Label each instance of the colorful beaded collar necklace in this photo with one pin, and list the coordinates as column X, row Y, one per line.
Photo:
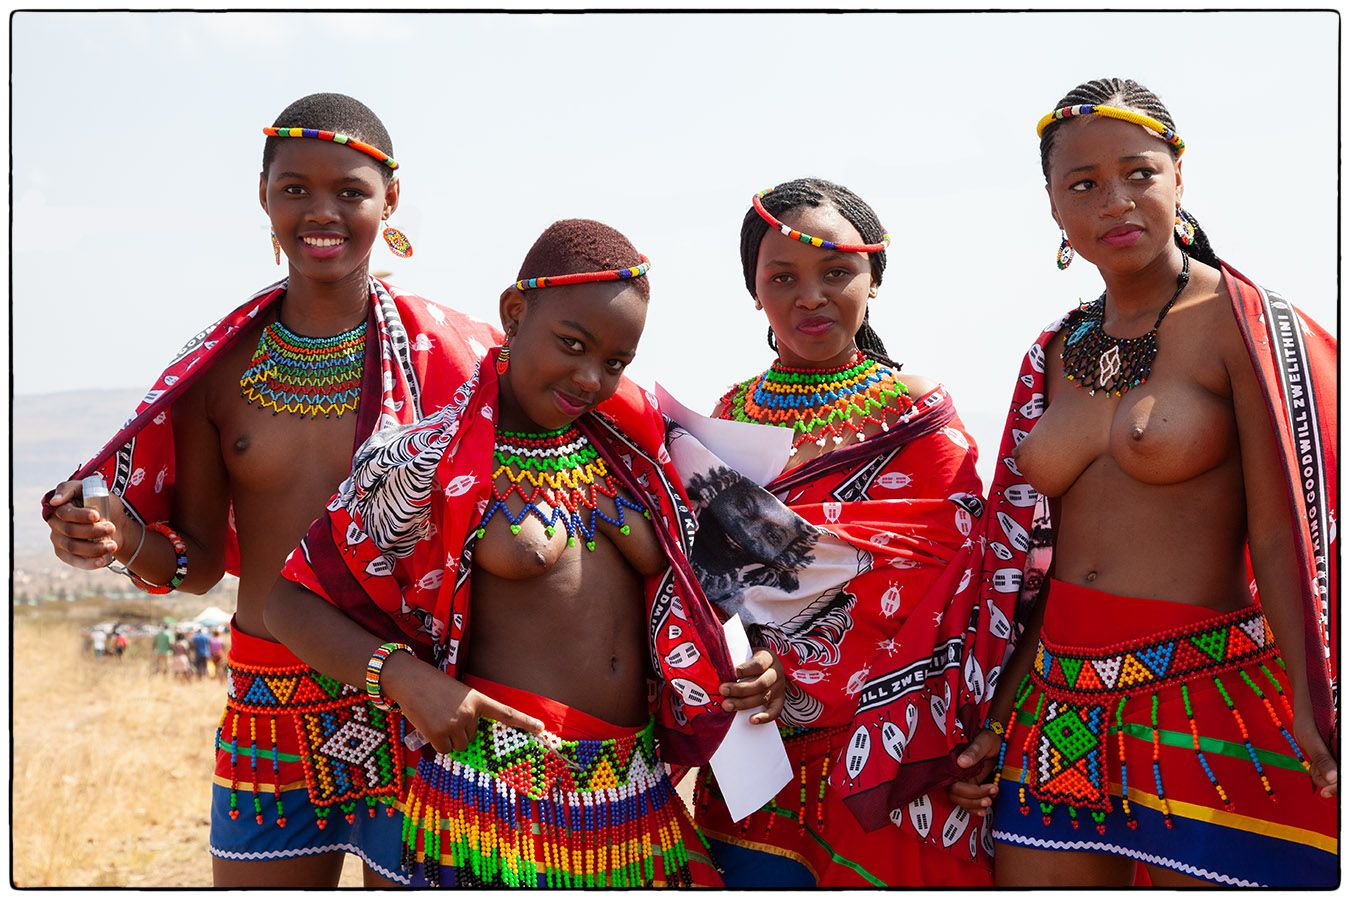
column 1098, row 362
column 823, row 244
column 335, row 137
column 819, row 404
column 564, row 470
column 547, row 281
column 305, row 376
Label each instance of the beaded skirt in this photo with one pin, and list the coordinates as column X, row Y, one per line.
column 806, row 837
column 588, row 804
column 1169, row 745
column 304, row 764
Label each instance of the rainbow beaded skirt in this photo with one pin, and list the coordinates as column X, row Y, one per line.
column 1172, row 746
column 516, row 810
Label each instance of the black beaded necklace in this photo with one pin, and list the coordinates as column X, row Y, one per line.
column 1098, row 362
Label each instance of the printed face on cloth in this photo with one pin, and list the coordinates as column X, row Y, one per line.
column 326, row 203
column 569, row 348
column 1114, row 188
column 815, row 299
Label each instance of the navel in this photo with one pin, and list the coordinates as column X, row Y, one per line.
column 1092, row 576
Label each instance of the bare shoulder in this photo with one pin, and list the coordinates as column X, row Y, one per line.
column 918, row 384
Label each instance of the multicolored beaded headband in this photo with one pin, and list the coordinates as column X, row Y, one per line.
column 336, row 138
column 1127, row 115
column 547, row 281
column 815, row 241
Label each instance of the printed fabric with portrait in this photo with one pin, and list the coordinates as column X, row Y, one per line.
column 859, row 569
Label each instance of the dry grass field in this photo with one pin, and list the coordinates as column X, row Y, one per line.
column 112, row 766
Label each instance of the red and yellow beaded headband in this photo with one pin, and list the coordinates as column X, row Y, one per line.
column 815, row 241
column 335, row 137
column 548, row 281
column 1126, row 115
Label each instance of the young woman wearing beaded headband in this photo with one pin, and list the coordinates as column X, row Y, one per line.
column 233, row 453
column 1182, row 430
column 521, row 556
column 826, row 564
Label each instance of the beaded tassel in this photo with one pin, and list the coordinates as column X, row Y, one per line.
column 1023, row 691
column 1026, row 751
column 234, row 766
column 1284, row 700
column 822, row 404
column 276, row 774
column 1157, row 766
column 1246, row 738
column 1195, row 742
column 305, row 376
column 1130, row 820
column 1275, row 719
column 563, row 469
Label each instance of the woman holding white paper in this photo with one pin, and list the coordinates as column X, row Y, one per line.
column 853, row 566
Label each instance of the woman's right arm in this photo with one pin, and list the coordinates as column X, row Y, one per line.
column 443, row 709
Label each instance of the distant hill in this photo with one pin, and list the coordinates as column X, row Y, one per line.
column 52, row 435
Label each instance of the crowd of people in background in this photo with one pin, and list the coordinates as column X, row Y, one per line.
column 189, row 651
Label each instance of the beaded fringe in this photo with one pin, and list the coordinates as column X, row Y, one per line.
column 1283, row 725
column 499, row 829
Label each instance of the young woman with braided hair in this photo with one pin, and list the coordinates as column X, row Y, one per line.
column 1175, row 442
column 852, row 567
column 521, row 555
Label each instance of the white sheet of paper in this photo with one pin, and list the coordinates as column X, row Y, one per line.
column 758, row 452
column 751, row 765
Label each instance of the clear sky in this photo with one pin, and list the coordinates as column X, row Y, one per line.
column 136, row 148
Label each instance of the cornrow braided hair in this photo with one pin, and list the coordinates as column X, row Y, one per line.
column 1126, row 94
column 332, row 112
column 570, row 246
column 815, row 192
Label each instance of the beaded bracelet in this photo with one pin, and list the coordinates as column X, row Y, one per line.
column 994, row 725
column 374, row 693
column 180, row 572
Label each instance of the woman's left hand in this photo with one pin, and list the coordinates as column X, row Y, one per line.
column 761, row 681
column 1323, row 768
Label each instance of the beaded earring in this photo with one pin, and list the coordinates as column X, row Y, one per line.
column 276, row 247
column 504, row 356
column 1184, row 227
column 398, row 242
column 1065, row 254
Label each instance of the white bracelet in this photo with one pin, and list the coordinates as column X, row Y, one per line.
column 126, row 570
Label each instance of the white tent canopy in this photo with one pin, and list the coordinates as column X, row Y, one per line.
column 212, row 616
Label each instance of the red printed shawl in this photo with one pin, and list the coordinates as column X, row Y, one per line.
column 424, row 349
column 395, row 550
column 1295, row 361
column 858, row 569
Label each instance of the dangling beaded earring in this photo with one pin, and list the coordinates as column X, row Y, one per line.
column 398, row 242
column 276, row 247
column 1184, row 227
column 504, row 356
column 1065, row 254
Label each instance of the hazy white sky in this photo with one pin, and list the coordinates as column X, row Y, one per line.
column 136, row 148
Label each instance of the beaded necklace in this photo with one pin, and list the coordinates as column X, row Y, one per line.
column 1098, row 362
column 563, row 469
column 819, row 404
column 305, row 376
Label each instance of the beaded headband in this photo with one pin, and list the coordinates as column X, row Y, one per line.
column 547, row 281
column 1127, row 115
column 336, row 138
column 815, row 241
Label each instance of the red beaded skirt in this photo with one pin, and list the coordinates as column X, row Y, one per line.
column 1161, row 731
